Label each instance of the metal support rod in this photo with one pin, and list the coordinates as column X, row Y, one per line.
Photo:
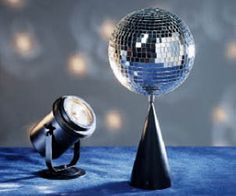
column 151, row 99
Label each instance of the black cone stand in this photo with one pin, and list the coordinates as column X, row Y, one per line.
column 151, row 168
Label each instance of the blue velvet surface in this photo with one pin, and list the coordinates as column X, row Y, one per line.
column 195, row 171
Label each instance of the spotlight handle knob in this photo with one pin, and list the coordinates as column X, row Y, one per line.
column 48, row 157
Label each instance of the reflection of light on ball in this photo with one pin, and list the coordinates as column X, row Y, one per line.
column 113, row 120
column 219, row 115
column 14, row 3
column 231, row 50
column 23, row 43
column 77, row 65
column 106, row 29
column 191, row 51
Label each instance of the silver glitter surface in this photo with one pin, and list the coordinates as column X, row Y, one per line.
column 151, row 51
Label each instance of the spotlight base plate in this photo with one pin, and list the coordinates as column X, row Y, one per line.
column 62, row 173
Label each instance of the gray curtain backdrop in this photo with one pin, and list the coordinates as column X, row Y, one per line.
column 52, row 48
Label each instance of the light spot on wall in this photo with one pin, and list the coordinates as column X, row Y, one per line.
column 14, row 3
column 23, row 43
column 77, row 65
column 231, row 50
column 219, row 115
column 113, row 120
column 106, row 29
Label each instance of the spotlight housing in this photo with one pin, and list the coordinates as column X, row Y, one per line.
column 70, row 120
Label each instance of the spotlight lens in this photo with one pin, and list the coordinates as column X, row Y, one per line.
column 78, row 111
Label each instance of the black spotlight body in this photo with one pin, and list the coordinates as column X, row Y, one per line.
column 56, row 133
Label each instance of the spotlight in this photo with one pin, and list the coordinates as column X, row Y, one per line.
column 70, row 120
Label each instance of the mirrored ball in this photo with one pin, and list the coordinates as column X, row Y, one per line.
column 151, row 51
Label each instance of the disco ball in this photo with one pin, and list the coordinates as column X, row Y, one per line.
column 151, row 51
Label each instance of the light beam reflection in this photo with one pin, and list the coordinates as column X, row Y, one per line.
column 45, row 189
column 6, row 187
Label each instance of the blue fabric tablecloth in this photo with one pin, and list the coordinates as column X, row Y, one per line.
column 195, row 171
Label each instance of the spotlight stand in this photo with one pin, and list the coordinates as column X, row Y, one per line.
column 62, row 171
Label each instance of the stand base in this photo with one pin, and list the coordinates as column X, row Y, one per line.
column 63, row 174
column 147, row 186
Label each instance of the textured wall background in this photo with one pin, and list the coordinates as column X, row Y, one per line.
column 51, row 48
